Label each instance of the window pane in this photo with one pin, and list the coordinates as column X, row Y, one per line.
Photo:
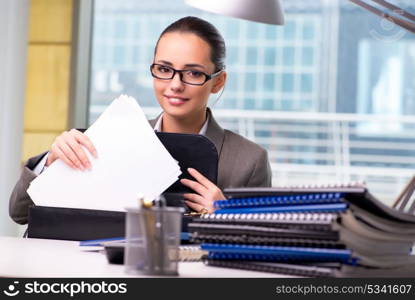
column 269, row 56
column 249, row 103
column 232, row 81
column 253, row 31
column 289, row 30
column 287, row 104
column 232, row 29
column 288, row 82
column 269, row 81
column 308, row 53
column 119, row 55
column 229, row 103
column 288, row 56
column 271, row 32
column 120, row 29
column 308, row 31
column 232, row 55
column 250, row 82
column 252, row 55
column 306, row 83
column 136, row 55
column 268, row 104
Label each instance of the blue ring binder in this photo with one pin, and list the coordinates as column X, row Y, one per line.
column 336, row 207
column 318, row 198
column 277, row 253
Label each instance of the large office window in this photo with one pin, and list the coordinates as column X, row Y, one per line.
column 330, row 95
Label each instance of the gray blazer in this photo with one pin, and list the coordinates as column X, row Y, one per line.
column 242, row 163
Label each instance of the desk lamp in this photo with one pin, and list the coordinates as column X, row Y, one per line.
column 263, row 11
column 396, row 15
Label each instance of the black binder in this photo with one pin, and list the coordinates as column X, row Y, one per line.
column 190, row 150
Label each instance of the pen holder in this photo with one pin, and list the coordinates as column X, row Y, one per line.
column 152, row 240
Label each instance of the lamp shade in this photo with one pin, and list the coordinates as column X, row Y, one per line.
column 264, row 11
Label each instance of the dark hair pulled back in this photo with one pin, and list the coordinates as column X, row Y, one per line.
column 205, row 31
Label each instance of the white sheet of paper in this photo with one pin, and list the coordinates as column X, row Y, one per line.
column 131, row 161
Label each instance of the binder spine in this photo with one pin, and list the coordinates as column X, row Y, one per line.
column 334, row 207
column 200, row 238
column 277, row 253
column 307, row 220
column 191, row 253
column 288, row 269
column 262, row 231
column 317, row 198
column 272, row 258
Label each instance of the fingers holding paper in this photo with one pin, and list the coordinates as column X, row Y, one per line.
column 207, row 192
column 68, row 148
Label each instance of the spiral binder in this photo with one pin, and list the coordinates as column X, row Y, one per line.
column 281, row 268
column 200, row 238
column 277, row 253
column 318, row 198
column 191, row 253
column 328, row 185
column 262, row 231
column 302, row 219
column 351, row 187
column 335, row 207
column 328, row 231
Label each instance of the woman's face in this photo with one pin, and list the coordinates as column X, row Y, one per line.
column 185, row 51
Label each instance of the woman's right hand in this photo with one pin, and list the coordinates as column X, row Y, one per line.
column 67, row 147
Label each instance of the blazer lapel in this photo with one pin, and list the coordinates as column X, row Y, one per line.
column 214, row 132
column 153, row 122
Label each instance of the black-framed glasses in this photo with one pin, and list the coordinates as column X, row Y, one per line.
column 193, row 77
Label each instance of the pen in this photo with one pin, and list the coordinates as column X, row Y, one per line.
column 150, row 234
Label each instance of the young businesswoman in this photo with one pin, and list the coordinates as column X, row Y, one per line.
column 188, row 66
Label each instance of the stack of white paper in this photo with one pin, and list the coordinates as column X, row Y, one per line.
column 131, row 162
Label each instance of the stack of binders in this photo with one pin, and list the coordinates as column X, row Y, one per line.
column 332, row 231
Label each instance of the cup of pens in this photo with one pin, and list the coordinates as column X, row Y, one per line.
column 153, row 239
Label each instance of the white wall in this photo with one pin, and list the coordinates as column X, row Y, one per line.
column 13, row 47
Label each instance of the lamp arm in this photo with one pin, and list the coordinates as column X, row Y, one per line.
column 391, row 6
column 410, row 26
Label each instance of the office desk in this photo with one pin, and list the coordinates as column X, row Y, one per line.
column 21, row 257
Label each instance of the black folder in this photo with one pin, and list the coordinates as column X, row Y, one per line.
column 190, row 150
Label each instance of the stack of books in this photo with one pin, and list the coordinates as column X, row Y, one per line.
column 320, row 231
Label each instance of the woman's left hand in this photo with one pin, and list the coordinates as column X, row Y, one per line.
column 207, row 192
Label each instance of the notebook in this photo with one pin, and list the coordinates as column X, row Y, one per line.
column 353, row 193
column 257, row 235
column 333, row 230
column 292, row 230
column 272, row 267
column 114, row 251
column 280, row 200
column 316, row 269
column 277, row 253
column 348, row 187
column 332, row 207
column 304, row 254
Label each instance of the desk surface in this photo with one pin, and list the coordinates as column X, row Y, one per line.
column 21, row 257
